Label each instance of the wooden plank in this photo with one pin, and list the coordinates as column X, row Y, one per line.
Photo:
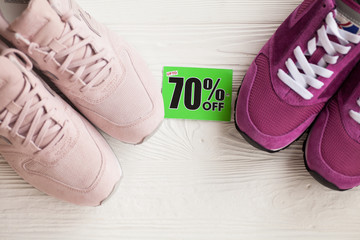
column 192, row 179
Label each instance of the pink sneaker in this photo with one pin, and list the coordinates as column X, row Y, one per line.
column 297, row 71
column 99, row 73
column 332, row 149
column 47, row 142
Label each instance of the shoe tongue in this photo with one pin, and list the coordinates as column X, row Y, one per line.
column 347, row 17
column 39, row 23
column 61, row 6
column 11, row 82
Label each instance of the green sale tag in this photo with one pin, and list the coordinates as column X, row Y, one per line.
column 197, row 93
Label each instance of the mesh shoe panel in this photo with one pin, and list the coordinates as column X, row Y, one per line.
column 268, row 112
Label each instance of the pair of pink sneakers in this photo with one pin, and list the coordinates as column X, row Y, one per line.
column 48, row 143
column 301, row 78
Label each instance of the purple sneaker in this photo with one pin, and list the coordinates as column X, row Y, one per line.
column 332, row 150
column 298, row 70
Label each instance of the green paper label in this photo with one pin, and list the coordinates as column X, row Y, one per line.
column 197, row 93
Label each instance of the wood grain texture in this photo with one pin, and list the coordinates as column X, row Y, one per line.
column 193, row 180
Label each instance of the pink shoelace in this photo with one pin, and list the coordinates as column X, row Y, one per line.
column 29, row 116
column 91, row 69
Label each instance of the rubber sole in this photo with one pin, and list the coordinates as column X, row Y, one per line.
column 254, row 143
column 152, row 133
column 114, row 190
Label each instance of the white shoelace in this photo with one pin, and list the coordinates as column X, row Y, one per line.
column 355, row 115
column 300, row 81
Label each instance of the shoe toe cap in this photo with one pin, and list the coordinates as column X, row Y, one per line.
column 85, row 175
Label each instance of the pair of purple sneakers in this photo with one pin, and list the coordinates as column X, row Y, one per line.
column 307, row 74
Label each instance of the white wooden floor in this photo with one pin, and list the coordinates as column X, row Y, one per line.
column 193, row 180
